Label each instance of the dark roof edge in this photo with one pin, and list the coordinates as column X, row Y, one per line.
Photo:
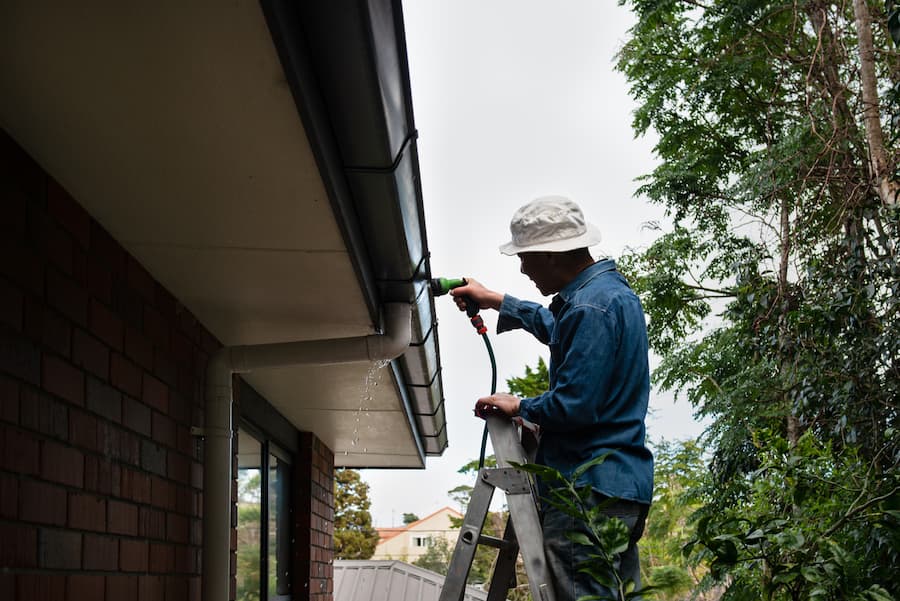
column 365, row 42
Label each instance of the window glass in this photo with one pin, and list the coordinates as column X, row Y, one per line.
column 279, row 524
column 263, row 520
column 249, row 516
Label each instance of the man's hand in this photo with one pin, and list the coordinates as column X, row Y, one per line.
column 486, row 299
column 500, row 403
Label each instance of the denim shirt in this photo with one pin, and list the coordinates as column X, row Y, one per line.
column 599, row 381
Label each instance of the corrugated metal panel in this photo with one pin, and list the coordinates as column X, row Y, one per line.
column 390, row 580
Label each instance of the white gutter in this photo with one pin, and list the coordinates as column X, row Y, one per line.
column 217, row 476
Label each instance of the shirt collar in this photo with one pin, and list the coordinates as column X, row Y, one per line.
column 580, row 281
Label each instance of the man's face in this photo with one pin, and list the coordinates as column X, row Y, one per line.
column 540, row 267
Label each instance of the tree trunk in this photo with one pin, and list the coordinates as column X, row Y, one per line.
column 879, row 165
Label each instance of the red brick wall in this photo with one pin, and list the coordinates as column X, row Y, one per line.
column 101, row 373
column 314, row 506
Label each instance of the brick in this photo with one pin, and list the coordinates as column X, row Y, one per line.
column 122, row 587
column 9, row 496
column 86, row 587
column 162, row 558
column 179, row 408
column 177, row 528
column 177, row 588
column 104, row 400
column 13, row 222
column 19, row 357
column 164, row 430
column 20, row 451
column 186, row 560
column 135, row 485
column 127, row 303
column 83, row 430
column 184, row 500
column 186, row 442
column 151, row 523
column 140, row 279
column 164, row 367
column 139, row 348
column 7, row 585
column 178, row 468
column 122, row 518
column 43, row 414
column 62, row 464
column 9, row 400
column 47, row 327
column 163, row 493
column 129, row 447
column 68, row 213
column 187, row 323
column 79, row 267
column 106, row 325
column 90, row 353
column 23, row 267
column 105, row 247
column 12, row 306
column 165, row 302
column 153, row 457
column 100, row 553
column 182, row 349
column 19, row 548
column 103, row 476
column 51, row 241
column 133, row 555
column 125, row 376
column 155, row 393
column 40, row 587
column 156, row 327
column 87, row 512
column 66, row 296
column 59, row 549
column 99, row 280
column 136, row 416
column 42, row 502
column 61, row 379
column 151, row 588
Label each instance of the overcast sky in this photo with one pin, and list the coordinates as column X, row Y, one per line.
column 513, row 99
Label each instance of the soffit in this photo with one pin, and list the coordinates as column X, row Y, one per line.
column 174, row 126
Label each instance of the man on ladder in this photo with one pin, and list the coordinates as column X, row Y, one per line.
column 599, row 379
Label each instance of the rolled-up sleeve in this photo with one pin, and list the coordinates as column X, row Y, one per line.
column 527, row 315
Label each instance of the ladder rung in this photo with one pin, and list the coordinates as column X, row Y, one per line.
column 493, row 541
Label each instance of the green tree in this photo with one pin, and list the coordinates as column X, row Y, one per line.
column 772, row 299
column 354, row 535
column 535, row 381
column 409, row 518
column 437, row 556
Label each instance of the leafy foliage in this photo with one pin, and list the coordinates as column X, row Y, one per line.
column 607, row 536
column 773, row 301
column 354, row 535
column 535, row 381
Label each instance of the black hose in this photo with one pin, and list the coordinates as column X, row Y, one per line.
column 484, row 433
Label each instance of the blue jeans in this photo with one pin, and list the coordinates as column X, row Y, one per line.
column 563, row 556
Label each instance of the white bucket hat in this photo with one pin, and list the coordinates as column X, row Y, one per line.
column 549, row 224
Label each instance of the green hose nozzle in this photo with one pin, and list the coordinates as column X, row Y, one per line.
column 441, row 286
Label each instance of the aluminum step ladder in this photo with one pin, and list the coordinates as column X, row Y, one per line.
column 523, row 528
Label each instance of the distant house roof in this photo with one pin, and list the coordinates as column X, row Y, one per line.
column 389, row 533
column 390, row 580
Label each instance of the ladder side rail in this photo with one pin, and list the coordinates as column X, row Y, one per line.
column 504, row 577
column 454, row 587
